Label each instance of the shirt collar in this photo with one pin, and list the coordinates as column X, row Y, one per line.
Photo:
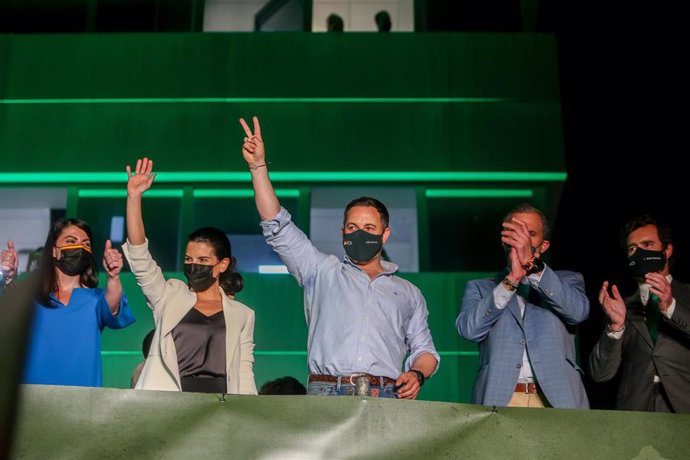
column 388, row 267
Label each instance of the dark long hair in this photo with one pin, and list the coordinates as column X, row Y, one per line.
column 230, row 281
column 47, row 266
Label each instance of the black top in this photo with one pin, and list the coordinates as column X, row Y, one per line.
column 200, row 344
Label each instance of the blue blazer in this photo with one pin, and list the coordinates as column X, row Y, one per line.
column 547, row 331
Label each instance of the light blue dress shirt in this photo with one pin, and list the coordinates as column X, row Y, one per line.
column 356, row 324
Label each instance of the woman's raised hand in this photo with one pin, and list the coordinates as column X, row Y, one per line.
column 141, row 179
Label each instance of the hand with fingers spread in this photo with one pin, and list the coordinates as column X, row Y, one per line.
column 112, row 260
column 253, row 149
column 9, row 262
column 613, row 305
column 661, row 288
column 142, row 178
column 138, row 182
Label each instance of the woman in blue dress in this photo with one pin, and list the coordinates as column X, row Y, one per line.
column 70, row 311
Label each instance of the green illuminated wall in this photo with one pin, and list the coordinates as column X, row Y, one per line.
column 347, row 102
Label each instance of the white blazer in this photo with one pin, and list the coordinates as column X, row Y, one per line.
column 170, row 301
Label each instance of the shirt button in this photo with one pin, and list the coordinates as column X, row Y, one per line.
column 366, row 317
column 522, row 341
column 519, row 365
column 363, row 338
column 359, row 359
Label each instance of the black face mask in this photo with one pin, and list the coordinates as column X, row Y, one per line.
column 74, row 260
column 644, row 261
column 362, row 246
column 199, row 277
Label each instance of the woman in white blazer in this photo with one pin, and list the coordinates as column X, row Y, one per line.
column 204, row 339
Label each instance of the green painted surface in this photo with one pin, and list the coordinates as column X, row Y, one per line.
column 69, row 422
column 474, row 101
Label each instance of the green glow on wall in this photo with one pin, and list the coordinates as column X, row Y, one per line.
column 287, row 176
column 479, row 193
column 241, row 193
column 266, row 100
column 114, row 193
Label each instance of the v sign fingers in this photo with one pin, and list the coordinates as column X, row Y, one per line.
column 257, row 127
column 246, row 128
column 253, row 147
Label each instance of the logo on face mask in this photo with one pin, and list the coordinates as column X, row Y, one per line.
column 74, row 260
column 362, row 246
column 644, row 261
column 199, row 277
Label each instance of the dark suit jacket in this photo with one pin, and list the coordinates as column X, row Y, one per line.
column 637, row 358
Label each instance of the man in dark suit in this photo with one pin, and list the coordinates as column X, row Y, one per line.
column 647, row 338
column 524, row 320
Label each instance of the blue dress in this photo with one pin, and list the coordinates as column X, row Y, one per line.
column 65, row 343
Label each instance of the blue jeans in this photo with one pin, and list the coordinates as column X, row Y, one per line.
column 347, row 389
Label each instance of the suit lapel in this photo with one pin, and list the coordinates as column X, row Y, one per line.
column 636, row 318
column 514, row 307
column 175, row 311
column 233, row 328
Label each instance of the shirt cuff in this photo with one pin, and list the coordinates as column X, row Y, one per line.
column 502, row 296
column 669, row 311
column 615, row 335
column 535, row 278
column 271, row 227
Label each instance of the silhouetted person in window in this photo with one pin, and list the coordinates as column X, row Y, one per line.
column 383, row 21
column 334, row 23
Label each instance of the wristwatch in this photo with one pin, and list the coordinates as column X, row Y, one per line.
column 420, row 376
column 533, row 265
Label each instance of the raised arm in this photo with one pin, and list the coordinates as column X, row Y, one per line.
column 254, row 154
column 148, row 274
column 137, row 183
column 112, row 263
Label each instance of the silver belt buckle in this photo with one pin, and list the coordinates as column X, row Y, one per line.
column 361, row 383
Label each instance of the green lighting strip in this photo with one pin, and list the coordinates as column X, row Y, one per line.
column 285, row 353
column 241, row 193
column 265, row 100
column 479, row 193
column 292, row 176
column 115, row 193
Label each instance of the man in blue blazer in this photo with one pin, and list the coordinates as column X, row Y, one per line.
column 524, row 321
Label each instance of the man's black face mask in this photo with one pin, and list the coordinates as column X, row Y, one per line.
column 644, row 261
column 362, row 246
